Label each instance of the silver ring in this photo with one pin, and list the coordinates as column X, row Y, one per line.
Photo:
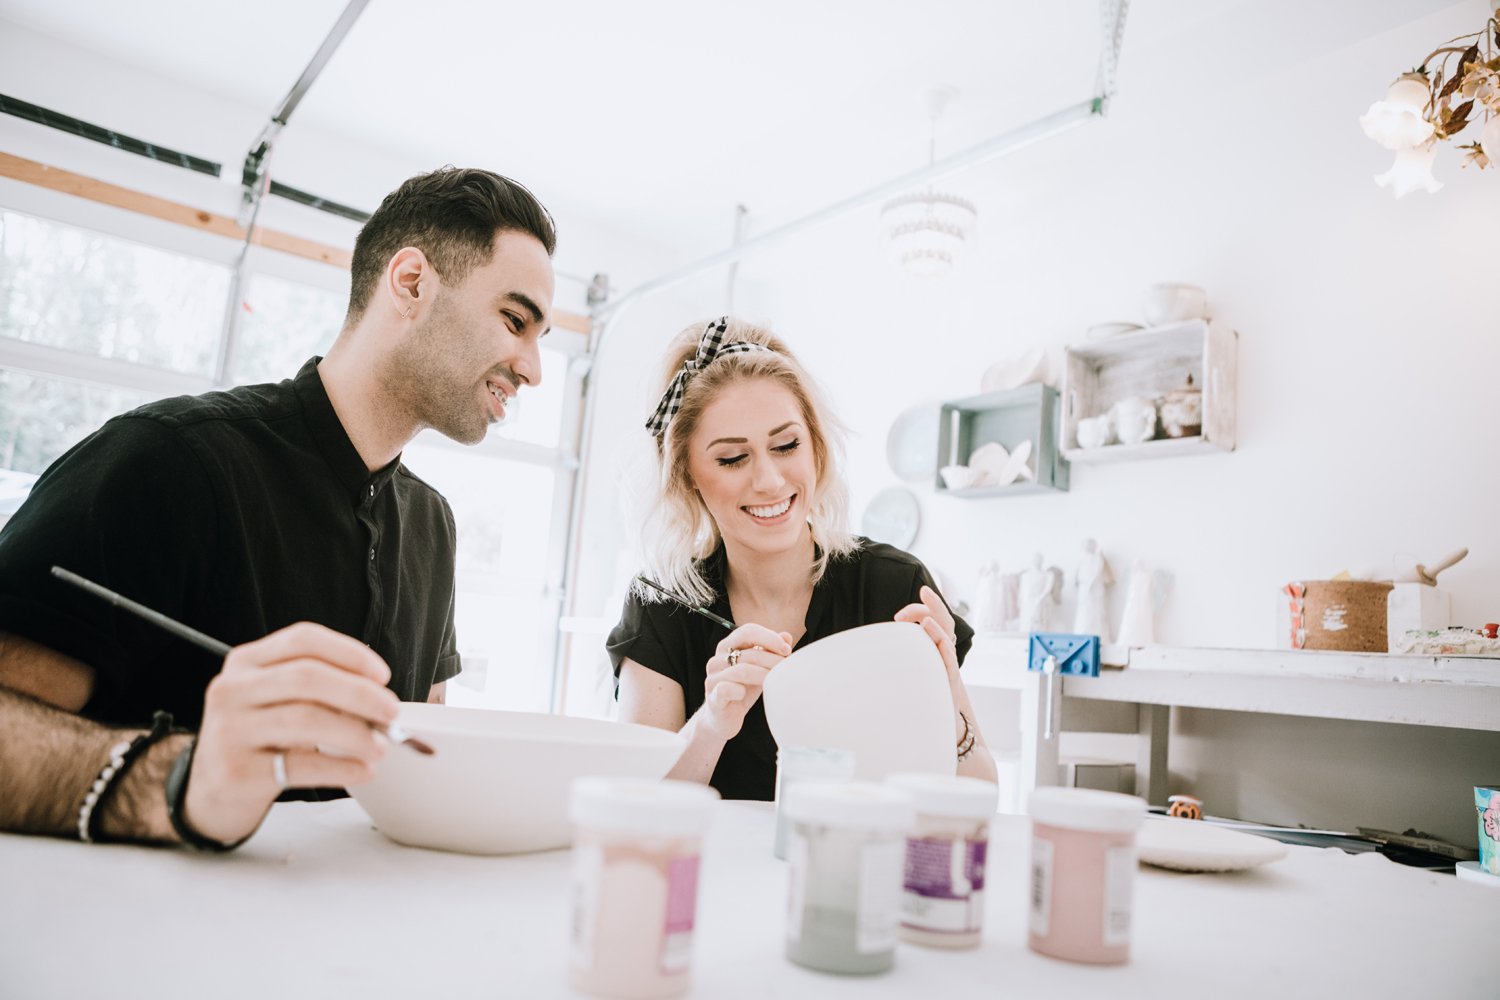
column 278, row 768
column 734, row 657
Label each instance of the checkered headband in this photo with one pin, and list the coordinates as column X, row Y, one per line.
column 710, row 346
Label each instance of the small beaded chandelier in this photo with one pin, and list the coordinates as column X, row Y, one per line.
column 928, row 231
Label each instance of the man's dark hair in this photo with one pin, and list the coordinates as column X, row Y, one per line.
column 452, row 215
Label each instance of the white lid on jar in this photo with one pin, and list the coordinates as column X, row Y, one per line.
column 816, row 763
column 949, row 795
column 635, row 805
column 859, row 805
column 1087, row 809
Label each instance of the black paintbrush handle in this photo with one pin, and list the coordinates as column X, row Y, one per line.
column 156, row 618
column 691, row 607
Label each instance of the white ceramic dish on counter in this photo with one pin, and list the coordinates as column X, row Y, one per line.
column 1191, row 845
column 499, row 781
column 879, row 690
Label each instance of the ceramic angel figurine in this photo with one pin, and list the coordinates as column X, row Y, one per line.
column 1143, row 599
column 994, row 599
column 1040, row 590
column 1093, row 577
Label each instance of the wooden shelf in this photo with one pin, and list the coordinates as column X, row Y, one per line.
column 1161, row 448
column 1151, row 363
column 1030, row 413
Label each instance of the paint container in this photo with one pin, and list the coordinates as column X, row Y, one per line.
column 822, row 765
column 636, row 847
column 847, row 848
column 1083, row 866
column 942, row 898
column 1487, row 801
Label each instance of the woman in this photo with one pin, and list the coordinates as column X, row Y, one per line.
column 749, row 523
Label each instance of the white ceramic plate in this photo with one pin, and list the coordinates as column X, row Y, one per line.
column 499, row 782
column 911, row 448
column 879, row 690
column 1191, row 845
column 892, row 517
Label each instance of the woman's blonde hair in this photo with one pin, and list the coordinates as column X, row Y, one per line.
column 678, row 527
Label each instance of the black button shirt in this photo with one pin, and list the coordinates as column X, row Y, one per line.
column 238, row 513
column 869, row 586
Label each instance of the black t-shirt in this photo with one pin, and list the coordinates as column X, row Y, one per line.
column 237, row 513
column 866, row 587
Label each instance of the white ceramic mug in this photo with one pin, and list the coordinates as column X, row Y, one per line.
column 1095, row 432
column 1135, row 419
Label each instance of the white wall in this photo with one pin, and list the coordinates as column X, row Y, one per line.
column 1370, row 345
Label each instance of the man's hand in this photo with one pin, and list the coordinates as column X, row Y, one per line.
column 307, row 692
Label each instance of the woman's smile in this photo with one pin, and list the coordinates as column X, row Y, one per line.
column 772, row 513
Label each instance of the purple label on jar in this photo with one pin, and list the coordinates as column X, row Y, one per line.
column 931, row 871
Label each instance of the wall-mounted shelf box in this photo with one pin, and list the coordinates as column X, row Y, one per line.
column 1152, row 363
column 1030, row 413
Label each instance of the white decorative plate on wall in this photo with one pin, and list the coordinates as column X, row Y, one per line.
column 892, row 517
column 911, row 448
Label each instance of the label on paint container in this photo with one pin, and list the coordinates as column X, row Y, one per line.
column 1119, row 889
column 796, row 897
column 682, row 906
column 588, row 871
column 1041, row 887
column 879, row 919
column 944, row 885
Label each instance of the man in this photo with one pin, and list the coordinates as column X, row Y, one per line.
column 279, row 519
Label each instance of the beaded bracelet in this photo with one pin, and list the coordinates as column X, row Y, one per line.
column 121, row 756
column 966, row 745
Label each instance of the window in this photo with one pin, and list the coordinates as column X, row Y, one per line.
column 69, row 288
column 40, row 418
column 502, row 509
column 285, row 323
column 108, row 325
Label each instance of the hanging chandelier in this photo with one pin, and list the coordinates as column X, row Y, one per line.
column 1434, row 103
column 927, row 232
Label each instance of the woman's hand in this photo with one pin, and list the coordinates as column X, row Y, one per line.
column 932, row 606
column 937, row 621
column 730, row 690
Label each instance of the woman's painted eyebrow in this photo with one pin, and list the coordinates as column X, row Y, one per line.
column 775, row 431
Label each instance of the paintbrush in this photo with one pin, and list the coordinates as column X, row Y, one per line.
column 691, row 607
column 394, row 732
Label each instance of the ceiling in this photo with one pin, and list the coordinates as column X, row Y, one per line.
column 654, row 117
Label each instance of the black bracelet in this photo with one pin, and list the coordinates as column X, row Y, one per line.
column 176, row 789
column 121, row 756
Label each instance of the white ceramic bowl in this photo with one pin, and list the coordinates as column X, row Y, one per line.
column 499, row 781
column 880, row 690
column 1175, row 304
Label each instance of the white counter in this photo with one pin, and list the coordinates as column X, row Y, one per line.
column 319, row 904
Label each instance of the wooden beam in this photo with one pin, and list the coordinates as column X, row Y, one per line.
column 57, row 179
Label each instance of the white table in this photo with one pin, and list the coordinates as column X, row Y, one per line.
column 319, row 904
column 1461, row 692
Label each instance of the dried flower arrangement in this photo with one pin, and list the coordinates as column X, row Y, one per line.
column 1419, row 110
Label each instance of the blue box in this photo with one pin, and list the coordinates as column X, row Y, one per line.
column 1077, row 655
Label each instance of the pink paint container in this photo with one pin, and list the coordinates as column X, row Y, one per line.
column 636, row 847
column 1083, row 865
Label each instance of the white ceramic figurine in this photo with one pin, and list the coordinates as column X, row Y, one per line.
column 1093, row 579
